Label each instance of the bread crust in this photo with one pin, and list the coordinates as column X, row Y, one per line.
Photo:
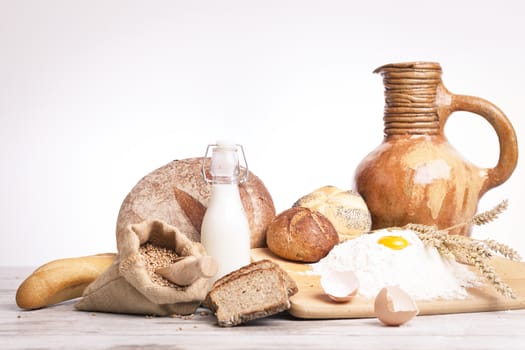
column 301, row 234
column 177, row 194
column 291, row 286
column 346, row 210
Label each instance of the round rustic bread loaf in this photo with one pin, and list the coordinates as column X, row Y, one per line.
column 177, row 194
column 346, row 210
column 301, row 234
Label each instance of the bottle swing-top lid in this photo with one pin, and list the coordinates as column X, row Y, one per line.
column 225, row 167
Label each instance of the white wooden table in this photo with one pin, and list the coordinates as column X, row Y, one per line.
column 62, row 327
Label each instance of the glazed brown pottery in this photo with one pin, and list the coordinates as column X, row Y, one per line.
column 415, row 175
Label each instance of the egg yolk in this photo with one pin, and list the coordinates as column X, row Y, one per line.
column 393, row 242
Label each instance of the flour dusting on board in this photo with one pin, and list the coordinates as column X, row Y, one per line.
column 398, row 257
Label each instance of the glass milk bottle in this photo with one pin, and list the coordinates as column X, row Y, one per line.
column 225, row 232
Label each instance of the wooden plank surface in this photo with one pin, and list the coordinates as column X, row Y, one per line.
column 62, row 327
column 311, row 302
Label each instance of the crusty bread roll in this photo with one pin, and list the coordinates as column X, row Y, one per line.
column 301, row 234
column 61, row 280
column 178, row 195
column 346, row 210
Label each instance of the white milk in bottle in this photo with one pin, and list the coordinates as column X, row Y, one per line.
column 225, row 232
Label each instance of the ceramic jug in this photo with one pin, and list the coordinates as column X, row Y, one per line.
column 415, row 175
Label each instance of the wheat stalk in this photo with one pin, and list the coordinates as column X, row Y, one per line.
column 489, row 215
column 484, row 217
column 468, row 250
column 503, row 249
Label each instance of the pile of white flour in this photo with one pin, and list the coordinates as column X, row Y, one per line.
column 418, row 270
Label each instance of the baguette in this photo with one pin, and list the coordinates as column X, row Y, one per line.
column 61, row 280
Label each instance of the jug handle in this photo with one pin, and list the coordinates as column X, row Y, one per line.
column 508, row 144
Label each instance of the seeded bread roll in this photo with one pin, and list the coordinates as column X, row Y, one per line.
column 301, row 234
column 346, row 210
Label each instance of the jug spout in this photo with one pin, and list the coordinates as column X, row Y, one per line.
column 411, row 98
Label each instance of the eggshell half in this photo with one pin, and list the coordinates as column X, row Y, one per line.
column 340, row 286
column 394, row 307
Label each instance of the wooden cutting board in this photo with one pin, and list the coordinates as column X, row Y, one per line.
column 311, row 302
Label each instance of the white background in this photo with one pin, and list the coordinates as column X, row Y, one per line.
column 96, row 94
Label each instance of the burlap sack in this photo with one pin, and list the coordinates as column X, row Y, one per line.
column 126, row 286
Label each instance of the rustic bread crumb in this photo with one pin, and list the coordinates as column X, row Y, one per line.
column 257, row 290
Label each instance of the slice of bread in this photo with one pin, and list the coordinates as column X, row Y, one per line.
column 291, row 286
column 257, row 290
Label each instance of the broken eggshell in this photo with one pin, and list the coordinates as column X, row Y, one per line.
column 394, row 307
column 340, row 286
